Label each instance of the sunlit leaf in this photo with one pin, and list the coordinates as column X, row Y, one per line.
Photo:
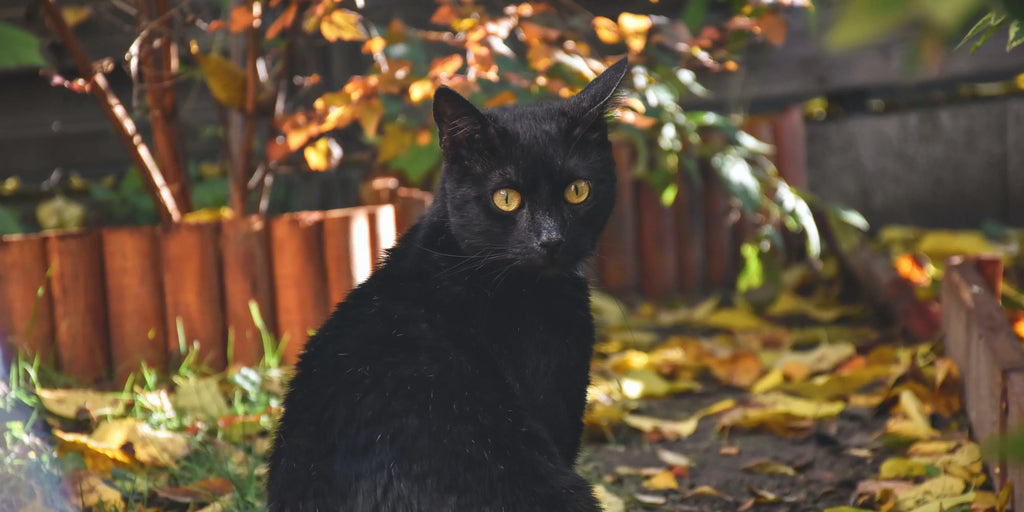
column 200, row 397
column 421, row 90
column 82, row 403
column 505, row 97
column 224, row 78
column 633, row 28
column 609, row 502
column 443, row 67
column 369, row 114
column 323, row 155
column 89, row 492
column 374, row 45
column 343, row 25
column 606, row 29
column 740, row 369
column 902, row 467
column 661, row 481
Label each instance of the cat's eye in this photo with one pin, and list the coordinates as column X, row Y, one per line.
column 506, row 199
column 577, row 191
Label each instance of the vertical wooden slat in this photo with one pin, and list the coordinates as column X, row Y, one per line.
column 193, row 291
column 300, row 277
column 717, row 232
column 245, row 253
column 689, row 239
column 618, row 263
column 383, row 230
column 79, row 305
column 1014, row 423
column 135, row 305
column 26, row 318
column 348, row 253
column 790, row 138
column 658, row 261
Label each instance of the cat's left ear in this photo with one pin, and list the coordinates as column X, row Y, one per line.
column 596, row 99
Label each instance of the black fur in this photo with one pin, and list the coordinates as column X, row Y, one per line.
column 455, row 377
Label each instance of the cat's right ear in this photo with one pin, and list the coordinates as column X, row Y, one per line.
column 460, row 125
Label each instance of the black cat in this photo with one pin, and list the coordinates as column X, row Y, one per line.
column 455, row 377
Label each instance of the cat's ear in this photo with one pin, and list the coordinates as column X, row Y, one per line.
column 459, row 122
column 596, row 100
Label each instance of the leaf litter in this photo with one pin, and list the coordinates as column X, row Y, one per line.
column 801, row 404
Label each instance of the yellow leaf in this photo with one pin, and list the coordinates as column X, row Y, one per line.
column 322, row 155
column 931, row 448
column 705, row 491
column 902, row 467
column 821, row 359
column 75, row 15
column 99, row 456
column 421, row 90
column 734, row 319
column 670, row 429
column 395, row 141
column 224, row 78
column 374, row 45
column 643, row 383
column 79, row 403
column 609, row 501
column 792, row 304
column 769, row 381
column 633, row 28
column 369, row 113
column 344, row 25
column 200, row 397
column 937, row 494
column 90, row 492
column 940, row 244
column 769, row 467
column 685, row 315
column 627, row 360
column 915, row 423
column 672, row 458
column 606, row 29
column 800, row 407
column 834, row 386
column 662, row 481
column 211, row 214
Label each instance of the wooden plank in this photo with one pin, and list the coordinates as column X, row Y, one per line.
column 383, row 230
column 193, row 292
column 300, row 278
column 656, row 228
column 618, row 263
column 410, row 204
column 26, row 315
column 245, row 253
column 135, row 299
column 789, row 135
column 718, row 246
column 689, row 235
column 79, row 305
column 348, row 253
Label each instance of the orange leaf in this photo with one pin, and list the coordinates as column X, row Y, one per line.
column 503, row 98
column 277, row 149
column 607, row 30
column 444, row 15
column 444, row 66
column 216, row 25
column 396, row 32
column 344, row 25
column 481, row 60
column 773, row 28
column 534, row 33
column 908, row 268
column 203, row 491
column 241, row 19
column 374, row 45
column 633, row 28
column 541, row 57
column 284, row 20
column 741, row 369
column 420, row 90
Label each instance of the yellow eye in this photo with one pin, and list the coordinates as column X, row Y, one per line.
column 577, row 191
column 506, row 199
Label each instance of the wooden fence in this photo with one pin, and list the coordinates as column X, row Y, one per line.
column 990, row 358
column 97, row 302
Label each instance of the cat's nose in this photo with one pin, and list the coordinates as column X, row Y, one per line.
column 552, row 244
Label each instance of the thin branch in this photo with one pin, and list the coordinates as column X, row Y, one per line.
column 167, row 206
column 252, row 82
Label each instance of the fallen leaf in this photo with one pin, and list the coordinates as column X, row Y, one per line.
column 672, row 430
column 705, row 491
column 771, row 380
column 769, row 467
column 902, row 467
column 672, row 458
column 820, row 359
column 609, row 501
column 661, row 481
column 932, row 493
column 729, row 451
column 200, row 397
column 203, row 491
column 800, row 407
column 82, row 403
column 740, row 369
column 650, row 499
column 790, row 304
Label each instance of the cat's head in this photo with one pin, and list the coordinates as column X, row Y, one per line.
column 529, row 185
